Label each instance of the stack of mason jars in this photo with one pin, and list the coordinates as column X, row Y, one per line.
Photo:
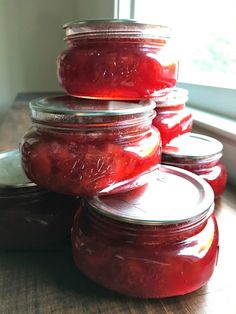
column 142, row 228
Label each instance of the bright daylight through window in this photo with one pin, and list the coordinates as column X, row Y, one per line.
column 206, row 37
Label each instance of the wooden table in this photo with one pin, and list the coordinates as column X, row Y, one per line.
column 48, row 282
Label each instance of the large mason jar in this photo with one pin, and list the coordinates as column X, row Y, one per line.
column 159, row 240
column 85, row 147
column 117, row 59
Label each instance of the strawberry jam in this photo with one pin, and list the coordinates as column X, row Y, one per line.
column 144, row 244
column 117, row 59
column 201, row 155
column 30, row 217
column 82, row 147
column 172, row 118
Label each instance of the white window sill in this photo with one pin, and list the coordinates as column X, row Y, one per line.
column 220, row 125
column 224, row 130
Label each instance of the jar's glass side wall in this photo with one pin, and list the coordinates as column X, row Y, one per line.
column 147, row 262
column 172, row 124
column 216, row 176
column 116, row 68
column 81, row 162
column 210, row 169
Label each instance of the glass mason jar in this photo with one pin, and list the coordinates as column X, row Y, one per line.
column 201, row 155
column 152, row 242
column 30, row 217
column 83, row 147
column 117, row 59
column 172, row 118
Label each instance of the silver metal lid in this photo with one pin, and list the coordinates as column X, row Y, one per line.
column 172, row 195
column 192, row 146
column 12, row 175
column 116, row 27
column 68, row 105
column 70, row 112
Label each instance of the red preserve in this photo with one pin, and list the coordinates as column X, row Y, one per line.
column 159, row 240
column 84, row 147
column 30, row 217
column 201, row 155
column 172, row 118
column 117, row 59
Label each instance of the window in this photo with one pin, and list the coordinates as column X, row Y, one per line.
column 205, row 33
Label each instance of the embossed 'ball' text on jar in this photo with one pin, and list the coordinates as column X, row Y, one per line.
column 159, row 240
column 84, row 147
column 117, row 59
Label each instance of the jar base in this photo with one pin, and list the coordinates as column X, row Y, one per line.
column 152, row 295
column 154, row 96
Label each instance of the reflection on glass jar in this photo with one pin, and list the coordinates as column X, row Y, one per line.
column 172, row 118
column 155, row 241
column 117, row 59
column 201, row 155
column 84, row 147
column 30, row 217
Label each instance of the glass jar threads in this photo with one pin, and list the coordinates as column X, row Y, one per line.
column 156, row 241
column 30, row 217
column 201, row 155
column 117, row 59
column 85, row 147
column 172, row 118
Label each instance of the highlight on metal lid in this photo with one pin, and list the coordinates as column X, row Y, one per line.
column 193, row 146
column 172, row 195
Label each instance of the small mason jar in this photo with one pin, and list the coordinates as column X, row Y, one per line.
column 159, row 240
column 84, row 147
column 117, row 59
column 172, row 118
column 30, row 217
column 201, row 155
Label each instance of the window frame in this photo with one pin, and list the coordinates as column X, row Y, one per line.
column 216, row 100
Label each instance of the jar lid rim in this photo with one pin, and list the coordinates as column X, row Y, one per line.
column 68, row 105
column 192, row 146
column 113, row 26
column 151, row 204
column 110, row 20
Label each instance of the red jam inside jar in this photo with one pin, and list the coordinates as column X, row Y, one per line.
column 82, row 147
column 30, row 217
column 117, row 59
column 201, row 155
column 172, row 118
column 152, row 242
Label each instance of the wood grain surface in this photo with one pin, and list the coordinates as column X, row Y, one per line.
column 44, row 282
